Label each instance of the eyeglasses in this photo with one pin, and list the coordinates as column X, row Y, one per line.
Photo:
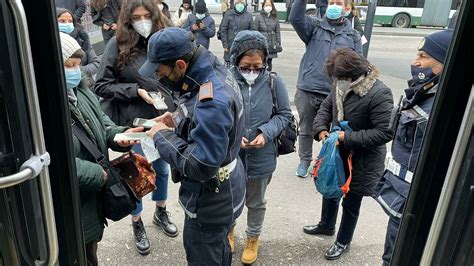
column 246, row 70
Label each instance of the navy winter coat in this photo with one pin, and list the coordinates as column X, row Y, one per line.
column 203, row 36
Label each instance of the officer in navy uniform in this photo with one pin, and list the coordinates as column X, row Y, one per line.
column 200, row 141
column 410, row 121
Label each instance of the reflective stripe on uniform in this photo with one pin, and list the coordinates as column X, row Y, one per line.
column 236, row 208
column 421, row 112
column 396, row 168
column 385, row 205
column 191, row 215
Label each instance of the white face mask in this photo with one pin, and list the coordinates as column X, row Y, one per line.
column 268, row 9
column 200, row 16
column 250, row 77
column 143, row 27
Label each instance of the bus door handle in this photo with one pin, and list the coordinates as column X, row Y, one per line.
column 36, row 129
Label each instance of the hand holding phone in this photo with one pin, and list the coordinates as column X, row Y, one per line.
column 140, row 122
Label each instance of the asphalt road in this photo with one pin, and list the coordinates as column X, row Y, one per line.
column 292, row 201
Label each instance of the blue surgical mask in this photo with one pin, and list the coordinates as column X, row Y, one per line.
column 422, row 74
column 200, row 16
column 239, row 7
column 66, row 27
column 334, row 12
column 347, row 13
column 73, row 77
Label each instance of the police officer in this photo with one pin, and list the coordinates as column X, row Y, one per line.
column 200, row 141
column 410, row 121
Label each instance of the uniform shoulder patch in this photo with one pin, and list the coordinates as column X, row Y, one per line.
column 206, row 91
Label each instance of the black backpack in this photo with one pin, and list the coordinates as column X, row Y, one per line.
column 286, row 141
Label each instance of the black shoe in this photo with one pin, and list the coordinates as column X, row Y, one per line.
column 335, row 251
column 318, row 230
column 161, row 219
column 142, row 244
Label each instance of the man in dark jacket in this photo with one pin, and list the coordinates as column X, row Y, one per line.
column 363, row 101
column 394, row 186
column 212, row 177
column 201, row 24
column 77, row 7
column 234, row 21
column 320, row 37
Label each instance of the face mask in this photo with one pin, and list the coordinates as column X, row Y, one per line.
column 239, row 7
column 334, row 12
column 73, row 77
column 422, row 74
column 200, row 16
column 268, row 9
column 347, row 13
column 170, row 84
column 66, row 27
column 143, row 27
column 160, row 6
column 343, row 85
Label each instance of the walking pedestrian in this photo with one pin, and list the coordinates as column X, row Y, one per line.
column 249, row 53
column 362, row 100
column 267, row 23
column 212, row 177
column 320, row 37
column 180, row 16
column 201, row 24
column 126, row 96
column 105, row 14
column 394, row 186
column 234, row 21
column 353, row 17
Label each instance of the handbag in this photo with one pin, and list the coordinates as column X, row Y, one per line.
column 137, row 172
column 286, row 141
column 118, row 199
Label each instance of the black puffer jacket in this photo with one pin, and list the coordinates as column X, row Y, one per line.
column 118, row 87
column 367, row 107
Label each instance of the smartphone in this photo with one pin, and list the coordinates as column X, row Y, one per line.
column 130, row 136
column 198, row 21
column 247, row 143
column 141, row 122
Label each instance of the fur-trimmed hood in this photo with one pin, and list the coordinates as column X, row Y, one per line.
column 361, row 87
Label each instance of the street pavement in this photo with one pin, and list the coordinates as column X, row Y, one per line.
column 292, row 202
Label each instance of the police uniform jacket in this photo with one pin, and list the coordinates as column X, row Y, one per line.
column 207, row 137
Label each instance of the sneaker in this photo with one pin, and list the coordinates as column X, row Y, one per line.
column 302, row 170
column 250, row 253
column 161, row 219
column 142, row 245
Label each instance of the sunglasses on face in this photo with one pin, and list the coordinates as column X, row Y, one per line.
column 246, row 70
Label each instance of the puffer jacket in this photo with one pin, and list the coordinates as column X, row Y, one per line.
column 231, row 24
column 203, row 36
column 367, row 107
column 320, row 39
column 270, row 28
column 101, row 131
column 118, row 86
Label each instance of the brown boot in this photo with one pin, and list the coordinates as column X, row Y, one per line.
column 230, row 236
column 250, row 253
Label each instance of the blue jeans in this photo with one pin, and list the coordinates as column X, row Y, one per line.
column 162, row 173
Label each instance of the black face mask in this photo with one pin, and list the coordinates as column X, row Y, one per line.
column 172, row 85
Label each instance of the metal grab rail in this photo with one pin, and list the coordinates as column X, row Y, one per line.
column 36, row 127
column 20, row 177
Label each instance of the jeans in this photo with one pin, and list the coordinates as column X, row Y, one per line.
column 307, row 105
column 256, row 204
column 162, row 173
column 206, row 244
column 390, row 238
column 350, row 214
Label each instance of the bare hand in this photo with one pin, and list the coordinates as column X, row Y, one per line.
column 323, row 135
column 166, row 118
column 341, row 136
column 258, row 142
column 201, row 25
column 243, row 143
column 113, row 26
column 105, row 27
column 128, row 143
column 104, row 177
column 226, row 50
column 195, row 27
column 160, row 126
column 145, row 96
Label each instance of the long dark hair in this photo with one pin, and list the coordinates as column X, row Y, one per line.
column 274, row 11
column 127, row 37
column 344, row 63
column 98, row 4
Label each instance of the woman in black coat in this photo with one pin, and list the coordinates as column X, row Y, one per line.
column 366, row 103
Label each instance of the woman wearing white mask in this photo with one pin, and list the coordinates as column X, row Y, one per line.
column 263, row 124
column 267, row 23
column 90, row 61
column 125, row 96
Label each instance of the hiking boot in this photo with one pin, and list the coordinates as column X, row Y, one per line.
column 142, row 245
column 302, row 170
column 250, row 253
column 161, row 219
column 230, row 237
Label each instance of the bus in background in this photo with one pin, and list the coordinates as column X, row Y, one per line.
column 406, row 13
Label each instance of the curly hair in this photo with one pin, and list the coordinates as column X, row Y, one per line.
column 344, row 63
column 127, row 37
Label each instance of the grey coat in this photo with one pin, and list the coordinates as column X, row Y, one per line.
column 270, row 28
column 231, row 24
column 369, row 116
column 320, row 39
